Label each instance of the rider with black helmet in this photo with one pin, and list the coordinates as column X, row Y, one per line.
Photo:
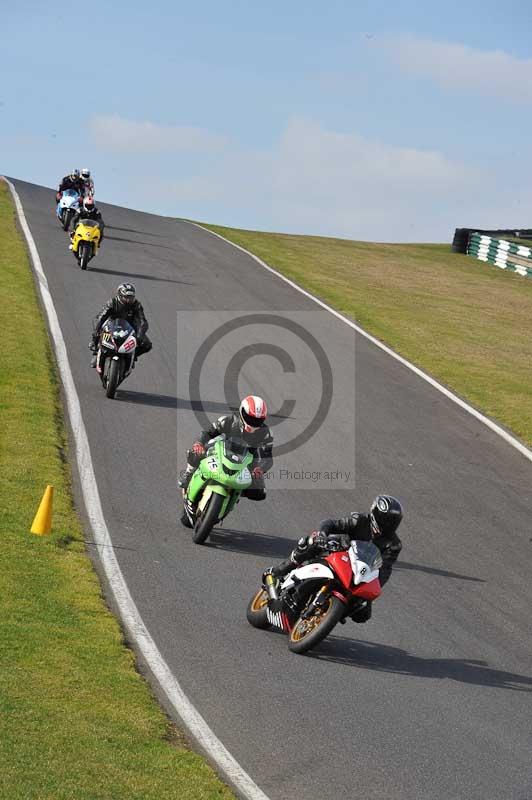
column 379, row 526
column 71, row 181
column 123, row 305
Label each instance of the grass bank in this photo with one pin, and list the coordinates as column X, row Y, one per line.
column 464, row 322
column 78, row 721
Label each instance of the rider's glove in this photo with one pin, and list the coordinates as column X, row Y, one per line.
column 198, row 449
column 257, row 473
column 318, row 539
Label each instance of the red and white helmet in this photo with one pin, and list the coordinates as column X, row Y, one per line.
column 253, row 412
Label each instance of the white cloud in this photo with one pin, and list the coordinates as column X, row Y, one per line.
column 318, row 181
column 113, row 133
column 493, row 73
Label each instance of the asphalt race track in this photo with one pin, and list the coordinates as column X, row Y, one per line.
column 433, row 698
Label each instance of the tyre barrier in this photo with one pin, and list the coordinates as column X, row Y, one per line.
column 504, row 254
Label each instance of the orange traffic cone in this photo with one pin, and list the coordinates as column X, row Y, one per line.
column 42, row 523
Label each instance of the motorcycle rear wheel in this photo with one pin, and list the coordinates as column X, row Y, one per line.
column 307, row 633
column 256, row 612
column 113, row 376
column 208, row 519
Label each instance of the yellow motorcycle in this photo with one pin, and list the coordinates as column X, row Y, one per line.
column 86, row 241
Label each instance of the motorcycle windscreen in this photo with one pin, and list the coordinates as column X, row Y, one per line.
column 236, row 446
column 365, row 559
column 118, row 327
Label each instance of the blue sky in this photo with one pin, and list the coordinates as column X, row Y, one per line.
column 370, row 120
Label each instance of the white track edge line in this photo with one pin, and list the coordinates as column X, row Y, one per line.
column 129, row 613
column 512, row 440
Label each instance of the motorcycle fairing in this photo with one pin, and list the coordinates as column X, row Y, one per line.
column 342, row 567
column 113, row 332
column 368, row 591
column 308, row 572
column 69, row 199
column 87, row 230
column 365, row 561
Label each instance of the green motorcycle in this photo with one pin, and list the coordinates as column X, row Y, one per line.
column 216, row 485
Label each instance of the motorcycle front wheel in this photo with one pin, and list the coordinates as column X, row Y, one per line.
column 308, row 632
column 208, row 519
column 256, row 613
column 113, row 376
column 67, row 215
column 84, row 256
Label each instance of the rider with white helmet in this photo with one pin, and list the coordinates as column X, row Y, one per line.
column 87, row 183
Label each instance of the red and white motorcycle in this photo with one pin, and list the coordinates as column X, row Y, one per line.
column 320, row 594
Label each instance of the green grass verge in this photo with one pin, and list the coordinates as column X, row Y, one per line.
column 77, row 719
column 464, row 322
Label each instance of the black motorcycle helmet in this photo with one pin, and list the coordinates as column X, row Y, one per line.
column 385, row 515
column 126, row 294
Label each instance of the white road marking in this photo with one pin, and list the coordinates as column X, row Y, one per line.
column 512, row 440
column 131, row 618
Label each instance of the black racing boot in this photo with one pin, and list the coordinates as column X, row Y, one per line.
column 362, row 614
column 185, row 480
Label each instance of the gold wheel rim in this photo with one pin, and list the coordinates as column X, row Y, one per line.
column 260, row 601
column 304, row 627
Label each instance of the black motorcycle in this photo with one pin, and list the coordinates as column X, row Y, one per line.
column 116, row 354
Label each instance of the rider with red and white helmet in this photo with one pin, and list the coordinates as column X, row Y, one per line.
column 89, row 210
column 248, row 424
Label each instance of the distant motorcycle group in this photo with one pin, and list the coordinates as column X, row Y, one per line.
column 116, row 342
column 335, row 573
column 78, row 215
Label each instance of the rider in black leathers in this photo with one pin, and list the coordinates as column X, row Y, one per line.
column 71, row 181
column 248, row 426
column 379, row 526
column 123, row 305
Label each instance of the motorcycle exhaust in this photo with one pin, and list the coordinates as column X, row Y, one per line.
column 270, row 584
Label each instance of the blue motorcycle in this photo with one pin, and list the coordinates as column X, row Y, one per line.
column 67, row 206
